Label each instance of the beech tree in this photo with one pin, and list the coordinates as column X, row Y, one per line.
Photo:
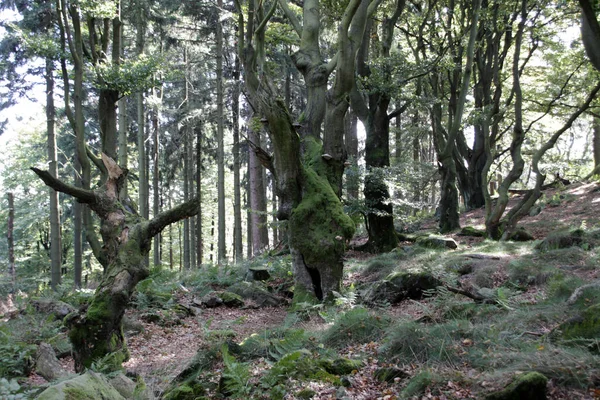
column 96, row 332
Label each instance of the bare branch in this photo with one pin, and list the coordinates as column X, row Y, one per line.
column 290, row 15
column 166, row 218
column 82, row 195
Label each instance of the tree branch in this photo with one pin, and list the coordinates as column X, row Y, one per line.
column 166, row 218
column 82, row 195
column 290, row 15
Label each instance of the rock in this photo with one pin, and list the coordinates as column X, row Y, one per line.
column 150, row 317
column 61, row 345
column 389, row 374
column 340, row 366
column 231, row 299
column 46, row 363
column 562, row 240
column 306, row 394
column 399, row 286
column 522, row 235
column 258, row 273
column 123, row 385
column 437, row 242
column 258, row 293
column 583, row 326
column 131, row 326
column 528, row 386
column 58, row 308
column 89, row 386
column 470, row 231
column 211, row 300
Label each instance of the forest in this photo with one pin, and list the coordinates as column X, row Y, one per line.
column 300, row 199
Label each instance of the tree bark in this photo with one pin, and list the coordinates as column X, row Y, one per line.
column 258, row 201
column 590, row 31
column 222, row 248
column 96, row 332
column 237, row 208
column 10, row 237
column 55, row 232
column 596, row 142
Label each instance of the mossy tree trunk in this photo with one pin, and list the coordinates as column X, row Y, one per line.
column 307, row 171
column 96, row 332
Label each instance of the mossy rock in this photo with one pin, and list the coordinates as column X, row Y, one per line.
column 257, row 292
column 522, row 235
column 306, row 394
column 58, row 308
column 584, row 326
column 470, row 231
column 132, row 326
column 437, row 242
column 232, row 300
column 389, row 374
column 400, row 286
column 89, row 386
column 562, row 240
column 258, row 273
column 61, row 345
column 340, row 366
column 528, row 386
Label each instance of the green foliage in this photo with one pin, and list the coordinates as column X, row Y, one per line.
column 560, row 286
column 357, row 325
column 131, row 75
column 274, row 344
column 11, row 390
column 236, row 376
column 16, row 358
column 419, row 383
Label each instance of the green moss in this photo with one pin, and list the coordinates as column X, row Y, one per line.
column 529, row 386
column 587, row 326
column 418, row 384
column 303, row 299
column 340, row 366
column 319, row 225
column 306, row 394
column 231, row 299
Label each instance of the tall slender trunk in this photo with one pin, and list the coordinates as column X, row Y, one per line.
column 199, row 236
column 10, row 237
column 351, row 140
column 258, row 203
column 141, row 123
column 55, row 234
column 237, row 209
column 156, row 181
column 187, row 259
column 222, row 249
column 596, row 147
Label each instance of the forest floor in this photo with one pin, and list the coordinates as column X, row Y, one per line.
column 160, row 352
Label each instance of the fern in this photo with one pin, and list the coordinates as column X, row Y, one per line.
column 236, row 376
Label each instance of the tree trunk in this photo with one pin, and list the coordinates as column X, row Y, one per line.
column 96, row 332
column 10, row 237
column 258, row 201
column 155, row 182
column 237, row 209
column 596, row 146
column 55, row 233
column 222, row 251
column 351, row 140
column 199, row 236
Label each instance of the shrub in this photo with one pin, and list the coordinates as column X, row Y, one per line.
column 355, row 326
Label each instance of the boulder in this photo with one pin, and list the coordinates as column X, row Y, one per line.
column 58, row 308
column 61, row 345
column 258, row 274
column 89, row 386
column 400, row 286
column 132, row 326
column 527, row 386
column 258, row 293
column 562, row 240
column 211, row 300
column 46, row 363
column 470, row 231
column 130, row 389
column 231, row 299
column 522, row 235
column 437, row 242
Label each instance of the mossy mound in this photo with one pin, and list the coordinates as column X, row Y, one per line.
column 258, row 293
column 231, row 299
column 522, row 235
column 90, row 386
column 437, row 242
column 471, row 231
column 584, row 326
column 399, row 286
column 565, row 239
column 528, row 386
column 58, row 308
column 340, row 366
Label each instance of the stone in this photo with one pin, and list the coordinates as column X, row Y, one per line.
column 89, row 386
column 527, row 386
column 58, row 308
column 400, row 286
column 257, row 293
column 258, row 273
column 230, row 299
column 470, row 231
column 390, row 374
column 522, row 235
column 437, row 242
column 61, row 345
column 124, row 385
column 131, row 326
column 46, row 363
